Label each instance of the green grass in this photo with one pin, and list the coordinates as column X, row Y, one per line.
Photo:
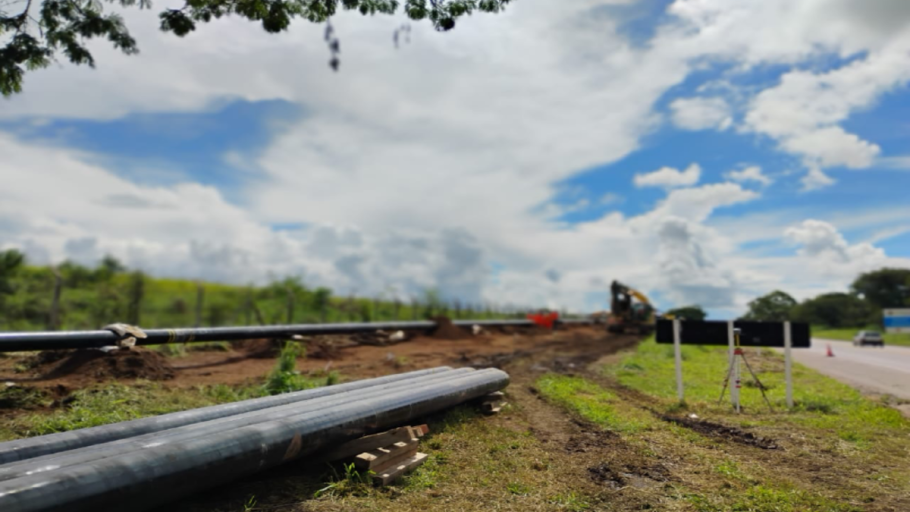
column 848, row 334
column 592, row 402
column 821, row 402
column 762, row 498
column 115, row 402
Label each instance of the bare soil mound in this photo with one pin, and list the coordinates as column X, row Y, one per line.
column 446, row 330
column 258, row 349
column 100, row 365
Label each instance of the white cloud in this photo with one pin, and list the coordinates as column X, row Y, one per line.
column 894, row 162
column 751, row 173
column 821, row 243
column 815, row 179
column 668, row 177
column 802, row 112
column 701, row 113
column 611, row 198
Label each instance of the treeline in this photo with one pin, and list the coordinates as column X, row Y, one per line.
column 860, row 306
column 73, row 296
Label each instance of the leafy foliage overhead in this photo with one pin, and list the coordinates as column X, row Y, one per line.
column 41, row 29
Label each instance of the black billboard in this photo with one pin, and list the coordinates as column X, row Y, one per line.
column 752, row 334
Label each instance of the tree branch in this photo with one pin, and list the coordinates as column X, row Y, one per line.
column 23, row 18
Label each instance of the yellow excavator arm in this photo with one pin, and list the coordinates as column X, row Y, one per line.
column 640, row 296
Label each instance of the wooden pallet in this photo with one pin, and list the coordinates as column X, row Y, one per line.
column 388, row 455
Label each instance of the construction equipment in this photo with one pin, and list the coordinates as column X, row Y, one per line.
column 627, row 315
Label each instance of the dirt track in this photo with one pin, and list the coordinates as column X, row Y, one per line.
column 251, row 361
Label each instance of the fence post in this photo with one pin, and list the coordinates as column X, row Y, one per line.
column 53, row 321
column 290, row 305
column 200, row 296
column 677, row 349
column 733, row 373
column 788, row 363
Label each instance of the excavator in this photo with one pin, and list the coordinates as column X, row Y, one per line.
column 627, row 315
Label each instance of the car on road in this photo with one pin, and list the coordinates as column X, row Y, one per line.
column 868, row 338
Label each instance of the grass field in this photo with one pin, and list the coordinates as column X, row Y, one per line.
column 91, row 298
column 848, row 334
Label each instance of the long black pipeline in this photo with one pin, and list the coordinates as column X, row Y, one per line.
column 59, row 461
column 57, row 340
column 144, row 479
column 22, row 449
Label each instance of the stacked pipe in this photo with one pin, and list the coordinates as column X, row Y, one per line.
column 141, row 464
column 58, row 340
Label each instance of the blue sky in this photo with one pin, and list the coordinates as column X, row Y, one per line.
column 482, row 142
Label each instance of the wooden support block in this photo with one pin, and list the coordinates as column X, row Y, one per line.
column 385, row 457
column 367, row 443
column 421, row 430
column 492, row 407
column 494, row 396
column 390, row 474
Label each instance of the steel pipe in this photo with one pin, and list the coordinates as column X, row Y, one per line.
column 141, row 442
column 144, row 479
column 23, row 449
column 58, row 340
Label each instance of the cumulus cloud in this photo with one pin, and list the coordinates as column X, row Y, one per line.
column 751, row 173
column 804, row 110
column 668, row 177
column 701, row 113
column 687, row 271
column 815, row 179
column 822, row 242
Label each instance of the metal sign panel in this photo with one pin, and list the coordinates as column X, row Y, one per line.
column 897, row 320
column 752, row 334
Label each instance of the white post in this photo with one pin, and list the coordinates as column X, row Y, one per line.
column 788, row 363
column 677, row 348
column 739, row 381
column 732, row 370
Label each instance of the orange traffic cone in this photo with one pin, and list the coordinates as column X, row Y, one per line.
column 830, row 353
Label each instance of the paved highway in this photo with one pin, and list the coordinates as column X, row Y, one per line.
column 870, row 369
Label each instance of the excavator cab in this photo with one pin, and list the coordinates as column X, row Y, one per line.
column 627, row 315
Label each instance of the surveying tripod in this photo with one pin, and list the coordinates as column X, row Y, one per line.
column 734, row 369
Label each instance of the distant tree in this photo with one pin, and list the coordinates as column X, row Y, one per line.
column 884, row 288
column 321, row 300
column 776, row 306
column 432, row 303
column 74, row 274
column 689, row 313
column 41, row 29
column 107, row 268
column 11, row 260
column 366, row 311
column 136, row 291
column 834, row 310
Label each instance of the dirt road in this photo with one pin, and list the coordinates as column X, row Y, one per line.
column 870, row 369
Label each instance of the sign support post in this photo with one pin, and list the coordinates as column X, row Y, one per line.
column 677, row 349
column 734, row 365
column 788, row 363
